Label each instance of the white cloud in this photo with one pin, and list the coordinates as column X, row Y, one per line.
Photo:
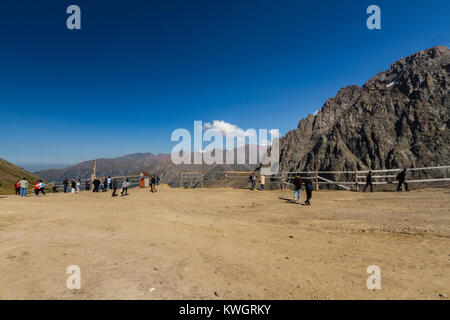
column 230, row 130
column 227, row 129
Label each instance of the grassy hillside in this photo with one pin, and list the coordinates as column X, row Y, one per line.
column 9, row 174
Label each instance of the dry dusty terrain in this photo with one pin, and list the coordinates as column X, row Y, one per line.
column 226, row 244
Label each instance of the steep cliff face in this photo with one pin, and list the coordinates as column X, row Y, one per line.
column 399, row 118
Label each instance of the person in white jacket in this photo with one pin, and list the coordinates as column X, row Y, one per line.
column 125, row 185
column 41, row 187
column 23, row 187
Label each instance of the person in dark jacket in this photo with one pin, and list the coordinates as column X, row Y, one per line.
column 96, row 184
column 252, row 179
column 153, row 184
column 17, row 187
column 401, row 177
column 309, row 189
column 73, row 184
column 297, row 187
column 105, row 184
column 369, row 182
column 114, row 186
column 65, row 184
column 88, row 185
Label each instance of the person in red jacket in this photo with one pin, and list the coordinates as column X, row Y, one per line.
column 17, row 186
column 36, row 188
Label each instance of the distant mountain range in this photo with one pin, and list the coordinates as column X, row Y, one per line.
column 126, row 165
column 134, row 164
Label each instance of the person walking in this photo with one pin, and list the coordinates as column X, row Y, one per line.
column 109, row 182
column 401, row 177
column 153, row 184
column 96, row 184
column 262, row 181
column 124, row 188
column 158, row 180
column 297, row 188
column 87, row 185
column 309, row 189
column 23, row 187
column 36, row 188
column 78, row 185
column 114, row 186
column 65, row 184
column 73, row 185
column 369, row 182
column 105, row 184
column 17, row 187
column 41, row 187
column 252, row 180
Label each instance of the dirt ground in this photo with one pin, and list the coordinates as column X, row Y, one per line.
column 226, row 244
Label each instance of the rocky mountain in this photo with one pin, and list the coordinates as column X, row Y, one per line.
column 9, row 174
column 399, row 118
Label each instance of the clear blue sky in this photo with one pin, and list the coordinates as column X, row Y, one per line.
column 137, row 70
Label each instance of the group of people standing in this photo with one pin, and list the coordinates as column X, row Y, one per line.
column 252, row 178
column 104, row 184
column 75, row 186
column 21, row 187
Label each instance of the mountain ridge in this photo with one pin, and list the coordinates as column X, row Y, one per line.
column 399, row 118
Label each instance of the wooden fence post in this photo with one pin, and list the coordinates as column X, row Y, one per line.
column 317, row 180
column 356, row 181
column 202, row 179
